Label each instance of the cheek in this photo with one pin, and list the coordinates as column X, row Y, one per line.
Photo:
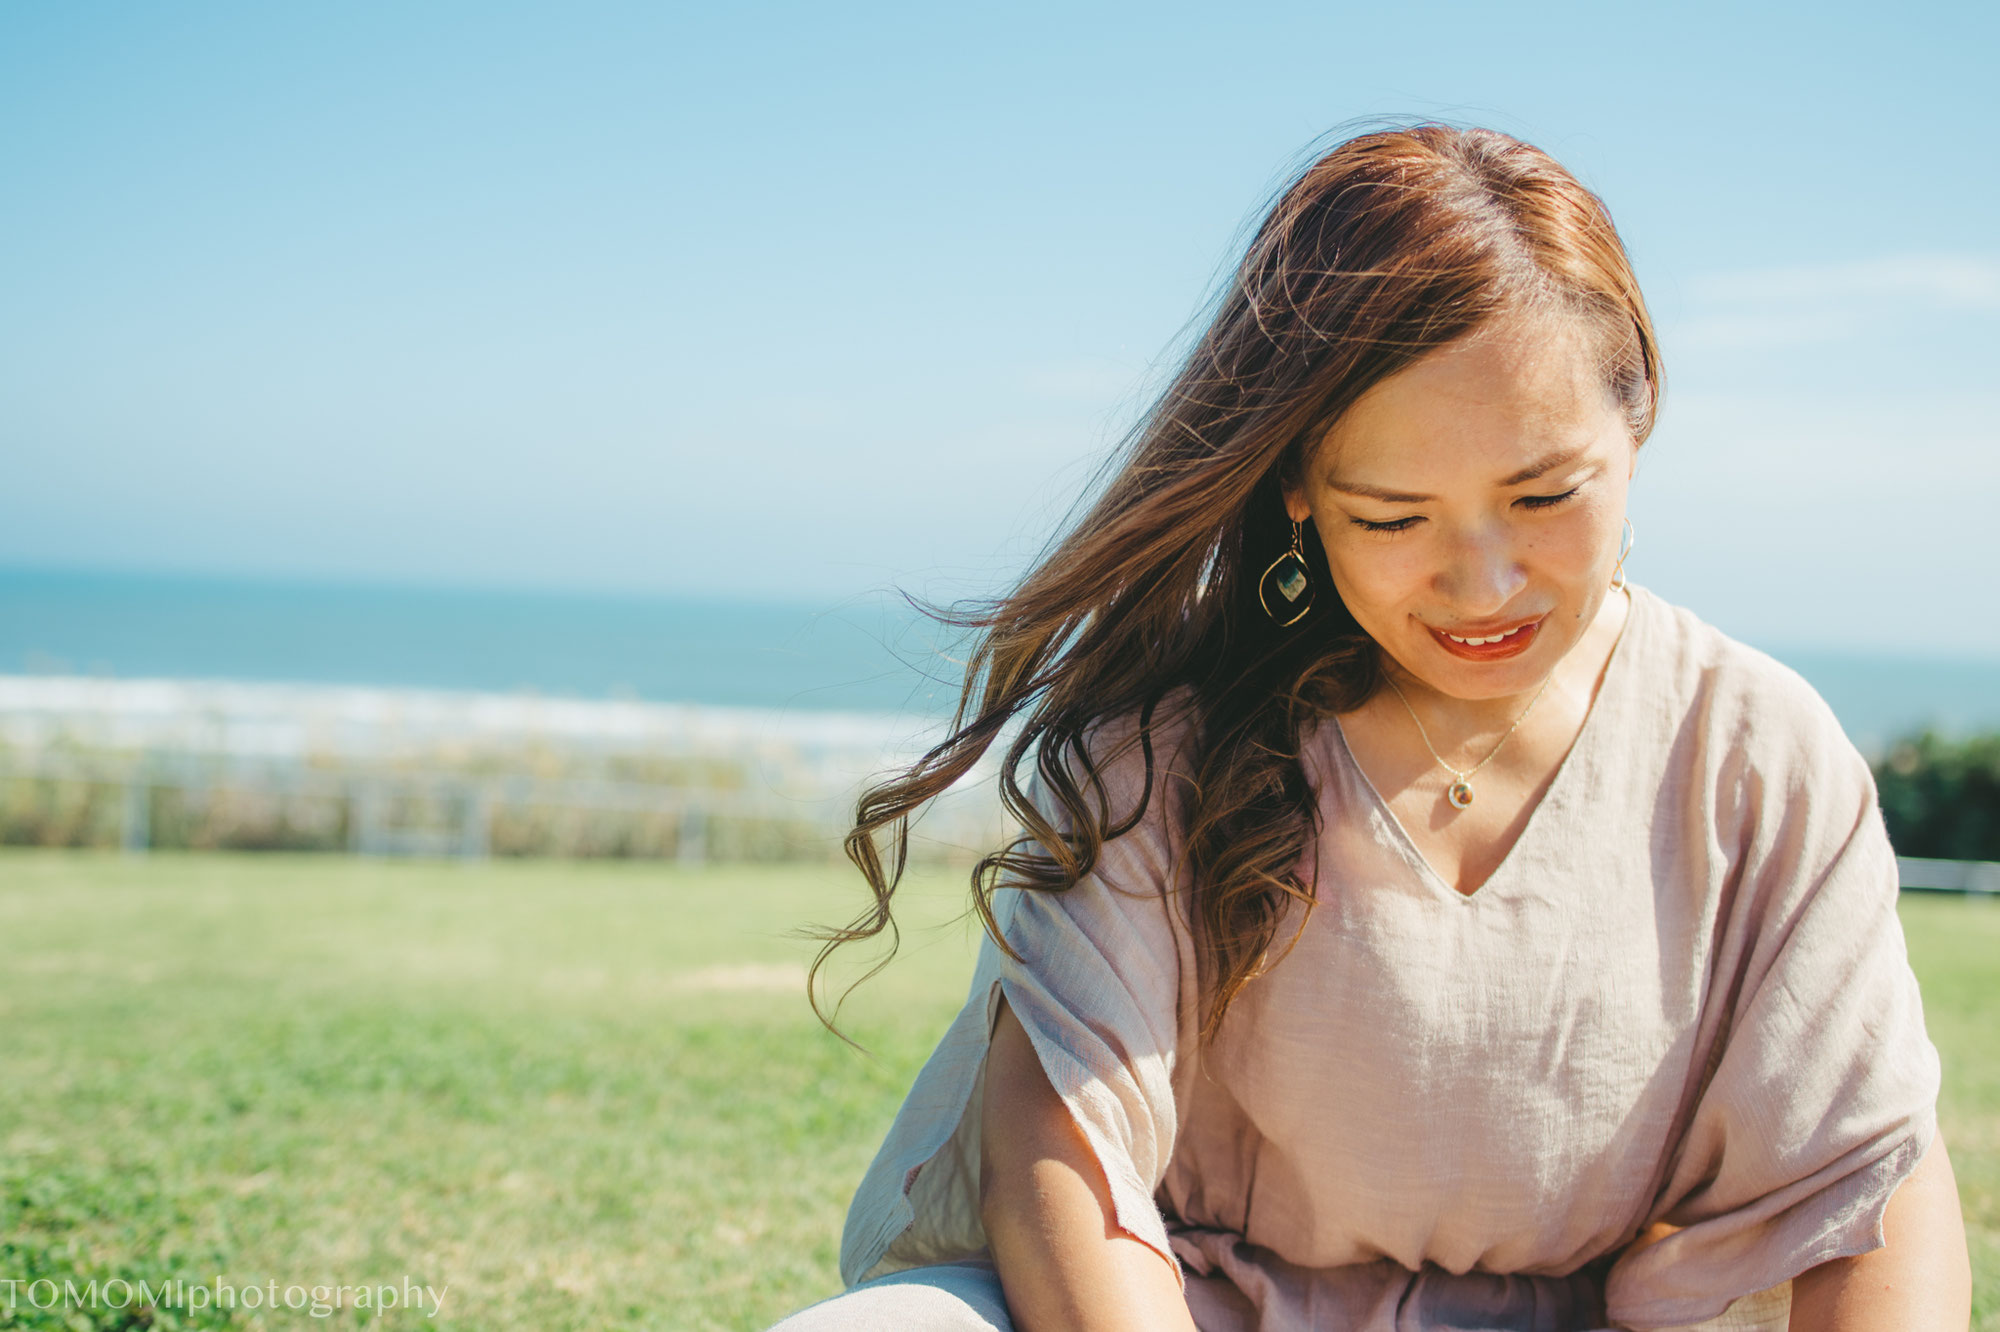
column 1379, row 575
column 1591, row 535
column 1573, row 543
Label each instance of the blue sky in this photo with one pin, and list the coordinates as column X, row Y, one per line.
column 798, row 301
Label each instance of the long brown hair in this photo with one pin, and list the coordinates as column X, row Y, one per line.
column 1387, row 247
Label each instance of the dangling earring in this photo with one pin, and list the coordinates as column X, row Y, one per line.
column 1624, row 549
column 1293, row 581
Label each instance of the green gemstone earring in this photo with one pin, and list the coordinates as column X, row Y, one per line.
column 1290, row 579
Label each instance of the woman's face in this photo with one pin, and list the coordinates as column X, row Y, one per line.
column 1478, row 493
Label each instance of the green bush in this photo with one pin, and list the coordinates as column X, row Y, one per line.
column 1941, row 797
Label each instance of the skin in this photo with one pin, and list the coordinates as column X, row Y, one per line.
column 1921, row 1277
column 1481, row 487
column 1064, row 1263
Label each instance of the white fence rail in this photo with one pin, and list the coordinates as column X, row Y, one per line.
column 1949, row 876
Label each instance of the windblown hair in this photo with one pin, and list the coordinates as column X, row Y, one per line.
column 1387, row 247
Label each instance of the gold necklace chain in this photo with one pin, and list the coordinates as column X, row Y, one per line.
column 1460, row 791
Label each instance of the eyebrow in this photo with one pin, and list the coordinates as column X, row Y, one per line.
column 1526, row 474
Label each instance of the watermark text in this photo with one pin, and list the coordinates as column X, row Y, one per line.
column 319, row 1300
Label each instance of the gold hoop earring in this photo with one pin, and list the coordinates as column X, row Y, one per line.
column 1624, row 549
column 1293, row 581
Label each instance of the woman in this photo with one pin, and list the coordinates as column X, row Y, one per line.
column 1415, row 924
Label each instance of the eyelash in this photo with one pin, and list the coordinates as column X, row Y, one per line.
column 1532, row 501
column 1549, row 501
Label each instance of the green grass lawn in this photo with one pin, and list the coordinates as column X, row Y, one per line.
column 571, row 1095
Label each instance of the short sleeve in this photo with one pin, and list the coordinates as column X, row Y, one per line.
column 1822, row 1088
column 1098, row 989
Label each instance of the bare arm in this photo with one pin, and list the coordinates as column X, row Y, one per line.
column 1046, row 1205
column 1920, row 1280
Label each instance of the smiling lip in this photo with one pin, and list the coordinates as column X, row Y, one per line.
column 1514, row 643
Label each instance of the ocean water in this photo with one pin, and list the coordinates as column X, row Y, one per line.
column 863, row 654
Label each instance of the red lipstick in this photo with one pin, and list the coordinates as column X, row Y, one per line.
column 1513, row 643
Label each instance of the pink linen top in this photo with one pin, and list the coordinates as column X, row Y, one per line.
column 1683, row 996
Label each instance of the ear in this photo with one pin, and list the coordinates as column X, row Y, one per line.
column 1295, row 505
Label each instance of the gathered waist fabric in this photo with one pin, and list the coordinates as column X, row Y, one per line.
column 1381, row 1296
column 1229, row 1280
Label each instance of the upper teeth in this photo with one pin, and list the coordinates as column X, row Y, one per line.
column 1490, row 638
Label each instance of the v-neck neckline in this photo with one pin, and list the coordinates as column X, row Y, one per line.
column 1613, row 673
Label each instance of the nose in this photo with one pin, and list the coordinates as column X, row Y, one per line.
column 1483, row 572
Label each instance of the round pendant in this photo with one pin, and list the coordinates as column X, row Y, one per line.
column 1460, row 794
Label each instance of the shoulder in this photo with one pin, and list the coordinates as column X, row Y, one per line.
column 1763, row 786
column 1731, row 697
column 1127, row 774
column 1134, row 750
column 1124, row 776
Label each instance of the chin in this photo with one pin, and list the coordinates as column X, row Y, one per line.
column 1485, row 682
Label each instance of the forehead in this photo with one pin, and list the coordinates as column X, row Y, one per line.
column 1505, row 395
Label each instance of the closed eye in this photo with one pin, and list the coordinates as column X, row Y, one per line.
column 1529, row 501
